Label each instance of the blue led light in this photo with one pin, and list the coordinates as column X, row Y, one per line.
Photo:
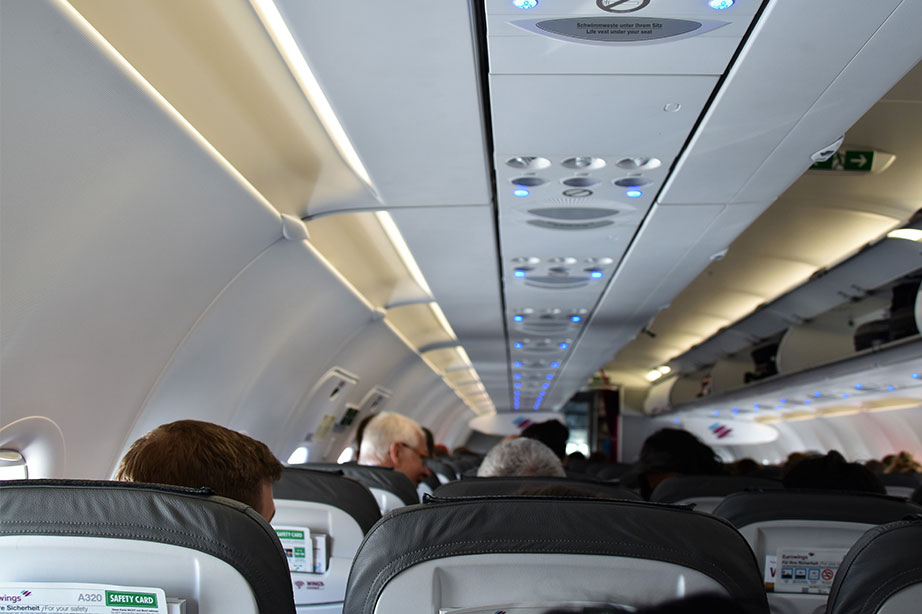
column 517, row 376
column 549, row 376
column 808, row 402
column 520, row 273
column 778, row 406
column 756, row 410
column 517, row 345
column 518, row 318
column 555, row 364
column 564, row 346
column 859, row 386
column 528, row 4
column 716, row 413
column 542, row 393
column 736, row 410
column 783, row 400
column 719, row 4
column 516, row 393
column 676, row 420
column 517, row 385
column 817, row 394
column 891, row 388
column 545, row 385
column 757, row 405
column 633, row 193
column 517, row 364
column 576, row 319
column 595, row 274
column 520, row 192
column 845, row 396
column 915, row 376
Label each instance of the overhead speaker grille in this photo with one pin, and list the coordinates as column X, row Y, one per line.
column 550, row 225
column 573, row 213
column 554, row 282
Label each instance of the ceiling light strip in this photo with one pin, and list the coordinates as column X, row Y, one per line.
column 285, row 42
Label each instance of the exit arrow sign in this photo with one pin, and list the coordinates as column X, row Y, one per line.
column 849, row 160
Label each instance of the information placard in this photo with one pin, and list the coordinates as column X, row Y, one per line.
column 805, row 570
column 74, row 598
column 298, row 547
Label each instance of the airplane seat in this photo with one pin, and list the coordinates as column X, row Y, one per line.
column 882, row 572
column 391, row 489
column 803, row 535
column 901, row 484
column 329, row 508
column 441, row 470
column 705, row 492
column 129, row 540
column 503, row 553
column 512, row 485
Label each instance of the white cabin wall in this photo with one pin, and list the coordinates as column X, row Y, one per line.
column 144, row 280
column 119, row 229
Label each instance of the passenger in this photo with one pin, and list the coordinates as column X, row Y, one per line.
column 875, row 465
column 396, row 441
column 903, row 462
column 576, row 462
column 743, row 466
column 551, row 433
column 670, row 452
column 520, row 457
column 195, row 454
column 833, row 472
column 359, row 432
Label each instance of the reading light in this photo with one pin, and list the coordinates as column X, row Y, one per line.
column 633, row 193
column 517, row 364
column 817, row 394
column 891, row 388
column 676, row 420
column 719, row 4
column 915, row 376
column 549, row 376
column 576, row 319
column 564, row 346
column 653, row 375
column 524, row 4
column 716, row 413
column 555, row 365
column 518, row 318
column 545, row 385
column 736, row 410
column 520, row 273
column 518, row 345
column 665, row 369
column 517, row 385
column 520, row 192
column 517, row 376
column 595, row 274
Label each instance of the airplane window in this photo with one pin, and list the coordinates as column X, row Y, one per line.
column 347, row 455
column 13, row 466
column 299, row 456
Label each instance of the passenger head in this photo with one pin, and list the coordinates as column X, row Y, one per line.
column 551, row 433
column 359, row 433
column 520, row 457
column 670, row 452
column 832, row 472
column 195, row 454
column 743, row 466
column 903, row 462
column 393, row 440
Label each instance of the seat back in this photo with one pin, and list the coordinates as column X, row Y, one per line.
column 333, row 512
column 392, row 489
column 901, row 484
column 500, row 552
column 882, row 572
column 487, row 487
column 217, row 554
column 705, row 492
column 803, row 535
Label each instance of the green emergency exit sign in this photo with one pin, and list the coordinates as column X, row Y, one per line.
column 851, row 160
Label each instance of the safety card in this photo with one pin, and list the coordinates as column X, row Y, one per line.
column 806, row 570
column 58, row 597
column 298, row 547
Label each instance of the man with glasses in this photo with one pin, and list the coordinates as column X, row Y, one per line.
column 393, row 440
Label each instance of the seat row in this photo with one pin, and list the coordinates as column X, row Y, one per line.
column 456, row 552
